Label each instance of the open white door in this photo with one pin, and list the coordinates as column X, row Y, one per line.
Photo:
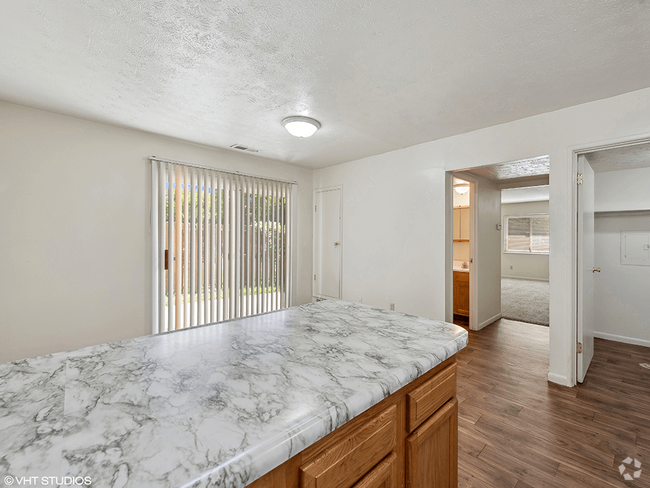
column 327, row 243
column 585, row 349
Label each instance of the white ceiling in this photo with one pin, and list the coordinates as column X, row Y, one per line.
column 378, row 75
column 530, row 194
column 621, row 158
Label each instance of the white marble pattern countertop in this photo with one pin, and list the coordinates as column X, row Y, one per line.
column 218, row 405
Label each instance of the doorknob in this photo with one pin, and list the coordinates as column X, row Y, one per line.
column 336, row 243
column 595, row 270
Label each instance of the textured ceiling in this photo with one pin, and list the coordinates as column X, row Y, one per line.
column 513, row 170
column 378, row 75
column 629, row 157
column 530, row 194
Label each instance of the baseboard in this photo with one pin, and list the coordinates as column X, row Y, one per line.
column 489, row 321
column 560, row 380
column 524, row 278
column 626, row 340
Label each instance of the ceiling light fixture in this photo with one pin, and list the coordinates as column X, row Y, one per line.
column 301, row 126
column 462, row 189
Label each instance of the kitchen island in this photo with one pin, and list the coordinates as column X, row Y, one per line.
column 218, row 405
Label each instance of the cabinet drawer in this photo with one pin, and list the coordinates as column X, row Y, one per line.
column 348, row 460
column 426, row 399
column 384, row 475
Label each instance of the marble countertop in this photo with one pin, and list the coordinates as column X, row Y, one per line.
column 218, row 405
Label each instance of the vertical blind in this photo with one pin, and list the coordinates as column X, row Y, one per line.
column 223, row 247
column 528, row 234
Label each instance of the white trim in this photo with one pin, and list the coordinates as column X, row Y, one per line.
column 155, row 319
column 623, row 339
column 524, row 278
column 487, row 322
column 559, row 379
column 473, row 255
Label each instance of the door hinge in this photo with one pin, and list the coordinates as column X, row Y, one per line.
column 314, row 277
column 579, row 347
column 314, row 208
column 579, row 178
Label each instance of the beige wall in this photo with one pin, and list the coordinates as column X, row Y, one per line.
column 529, row 266
column 74, row 228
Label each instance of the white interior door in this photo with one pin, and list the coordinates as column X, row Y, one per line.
column 585, row 268
column 327, row 243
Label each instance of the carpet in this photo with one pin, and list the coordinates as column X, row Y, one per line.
column 525, row 300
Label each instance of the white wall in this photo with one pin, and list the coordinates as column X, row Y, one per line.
column 488, row 246
column 74, row 228
column 461, row 199
column 529, row 266
column 393, row 230
column 622, row 190
column 409, row 263
column 461, row 251
column 622, row 308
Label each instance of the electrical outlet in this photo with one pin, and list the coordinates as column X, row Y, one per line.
column 392, row 306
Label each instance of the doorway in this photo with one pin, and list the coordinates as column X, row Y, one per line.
column 462, row 255
column 327, row 244
column 612, row 252
column 486, row 239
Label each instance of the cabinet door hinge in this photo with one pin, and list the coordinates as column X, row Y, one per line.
column 579, row 178
column 579, row 347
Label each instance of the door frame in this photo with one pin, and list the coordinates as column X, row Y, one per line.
column 473, row 248
column 314, row 257
column 573, row 153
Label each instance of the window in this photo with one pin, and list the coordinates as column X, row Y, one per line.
column 527, row 234
column 222, row 245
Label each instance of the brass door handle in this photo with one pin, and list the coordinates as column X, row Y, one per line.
column 595, row 270
column 336, row 243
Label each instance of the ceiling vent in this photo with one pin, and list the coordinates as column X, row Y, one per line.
column 241, row 147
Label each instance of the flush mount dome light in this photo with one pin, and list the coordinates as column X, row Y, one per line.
column 462, row 189
column 301, row 126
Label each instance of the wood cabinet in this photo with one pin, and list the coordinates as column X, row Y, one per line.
column 409, row 439
column 384, row 475
column 461, row 223
column 461, row 293
column 432, row 450
column 348, row 460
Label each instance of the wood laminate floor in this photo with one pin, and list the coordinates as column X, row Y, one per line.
column 518, row 430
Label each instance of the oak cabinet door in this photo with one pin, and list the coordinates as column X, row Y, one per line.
column 384, row 475
column 432, row 451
